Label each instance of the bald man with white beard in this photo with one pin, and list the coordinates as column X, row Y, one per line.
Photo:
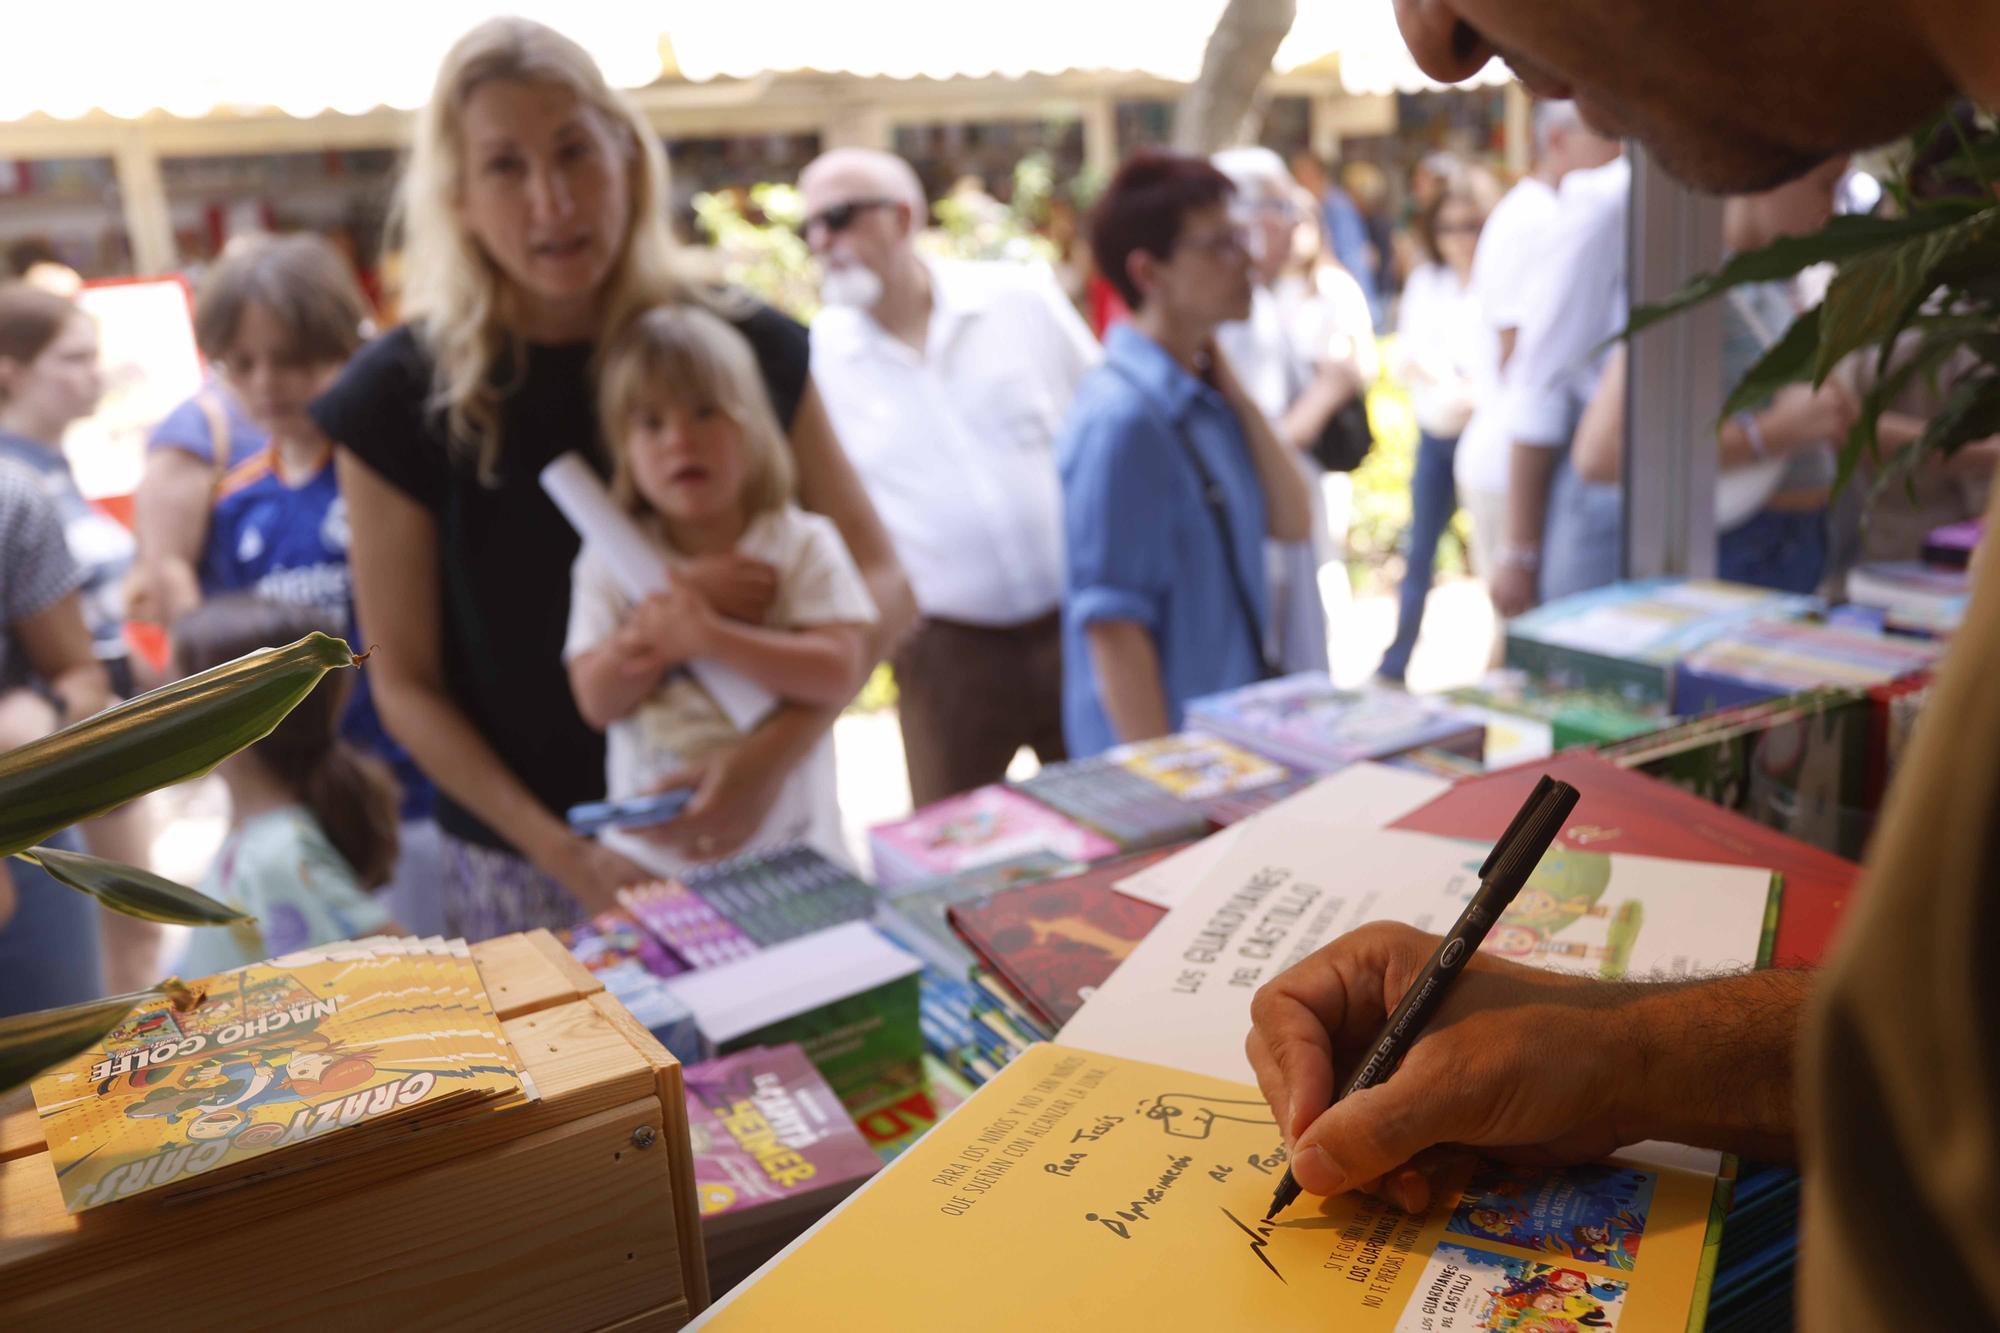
column 947, row 381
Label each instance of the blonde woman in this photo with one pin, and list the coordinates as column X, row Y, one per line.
column 533, row 219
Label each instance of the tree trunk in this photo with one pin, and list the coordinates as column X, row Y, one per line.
column 1212, row 112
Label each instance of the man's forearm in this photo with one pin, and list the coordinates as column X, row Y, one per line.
column 1717, row 1061
column 1530, row 472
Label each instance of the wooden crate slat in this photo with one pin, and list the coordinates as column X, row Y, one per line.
column 565, row 1229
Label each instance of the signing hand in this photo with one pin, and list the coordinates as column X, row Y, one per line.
column 735, row 585
column 1521, row 1063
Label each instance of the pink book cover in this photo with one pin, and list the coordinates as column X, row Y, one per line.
column 983, row 826
column 684, row 921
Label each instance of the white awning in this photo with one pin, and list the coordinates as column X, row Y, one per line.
column 125, row 58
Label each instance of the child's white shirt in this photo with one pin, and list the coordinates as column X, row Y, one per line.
column 818, row 584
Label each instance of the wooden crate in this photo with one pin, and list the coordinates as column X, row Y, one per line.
column 576, row 1212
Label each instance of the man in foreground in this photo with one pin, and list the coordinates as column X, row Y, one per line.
column 1884, row 1069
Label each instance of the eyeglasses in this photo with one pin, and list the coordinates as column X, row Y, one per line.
column 842, row 216
column 1458, row 229
column 1232, row 240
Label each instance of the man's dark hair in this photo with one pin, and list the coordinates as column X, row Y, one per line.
column 1143, row 209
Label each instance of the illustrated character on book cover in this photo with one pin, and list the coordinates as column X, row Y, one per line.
column 1596, row 1213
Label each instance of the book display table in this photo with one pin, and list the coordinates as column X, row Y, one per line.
column 575, row 1212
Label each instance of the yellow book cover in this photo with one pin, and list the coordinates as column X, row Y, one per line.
column 279, row 1055
column 1195, row 767
column 1079, row 1189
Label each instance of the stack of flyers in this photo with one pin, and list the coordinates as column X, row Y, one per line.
column 311, row 1058
column 687, row 923
column 1126, row 807
column 779, row 895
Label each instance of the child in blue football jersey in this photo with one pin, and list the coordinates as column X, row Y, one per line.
column 281, row 316
column 312, row 820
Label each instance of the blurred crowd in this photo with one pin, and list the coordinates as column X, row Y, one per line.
column 1061, row 503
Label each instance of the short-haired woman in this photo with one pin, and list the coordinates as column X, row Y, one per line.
column 533, row 213
column 1172, row 477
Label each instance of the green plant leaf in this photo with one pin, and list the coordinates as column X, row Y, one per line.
column 1872, row 298
column 1936, row 340
column 132, row 891
column 164, row 736
column 1788, row 361
column 32, row 1043
column 1843, row 238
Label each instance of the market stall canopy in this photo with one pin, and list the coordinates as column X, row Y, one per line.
column 128, row 58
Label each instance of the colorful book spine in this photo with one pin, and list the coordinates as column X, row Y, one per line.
column 779, row 895
column 686, row 923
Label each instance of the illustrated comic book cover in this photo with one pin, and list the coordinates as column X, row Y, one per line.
column 302, row 1056
column 1055, row 942
column 1195, row 767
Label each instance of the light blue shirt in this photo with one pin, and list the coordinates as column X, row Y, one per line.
column 280, row 868
column 1142, row 543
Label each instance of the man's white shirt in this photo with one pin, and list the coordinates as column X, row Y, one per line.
column 1559, row 272
column 956, row 445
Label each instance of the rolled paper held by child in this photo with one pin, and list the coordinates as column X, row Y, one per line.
column 641, row 570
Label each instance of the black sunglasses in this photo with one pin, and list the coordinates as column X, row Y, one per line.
column 841, row 216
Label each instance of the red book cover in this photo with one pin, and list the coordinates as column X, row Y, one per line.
column 1623, row 811
column 1056, row 941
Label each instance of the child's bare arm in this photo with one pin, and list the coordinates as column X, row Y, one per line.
column 612, row 679
column 803, row 666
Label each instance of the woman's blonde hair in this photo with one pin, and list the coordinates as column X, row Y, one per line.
column 693, row 357
column 452, row 290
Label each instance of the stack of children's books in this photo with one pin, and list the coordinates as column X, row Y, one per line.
column 773, row 1151
column 1150, row 793
column 310, row 1059
column 634, row 966
column 1625, row 638
column 976, row 829
column 1805, row 763
column 1913, row 598
column 1131, row 810
column 847, row 994
column 1767, row 659
column 695, row 934
column 1136, row 1164
column 1528, row 719
column 1307, row 722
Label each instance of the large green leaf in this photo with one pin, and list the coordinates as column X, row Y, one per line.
column 1842, row 239
column 31, row 1043
column 132, row 891
column 164, row 736
column 1788, row 361
column 1873, row 297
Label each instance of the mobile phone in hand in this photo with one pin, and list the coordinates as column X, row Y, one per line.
column 632, row 812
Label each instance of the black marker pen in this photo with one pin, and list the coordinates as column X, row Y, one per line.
column 1507, row 868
